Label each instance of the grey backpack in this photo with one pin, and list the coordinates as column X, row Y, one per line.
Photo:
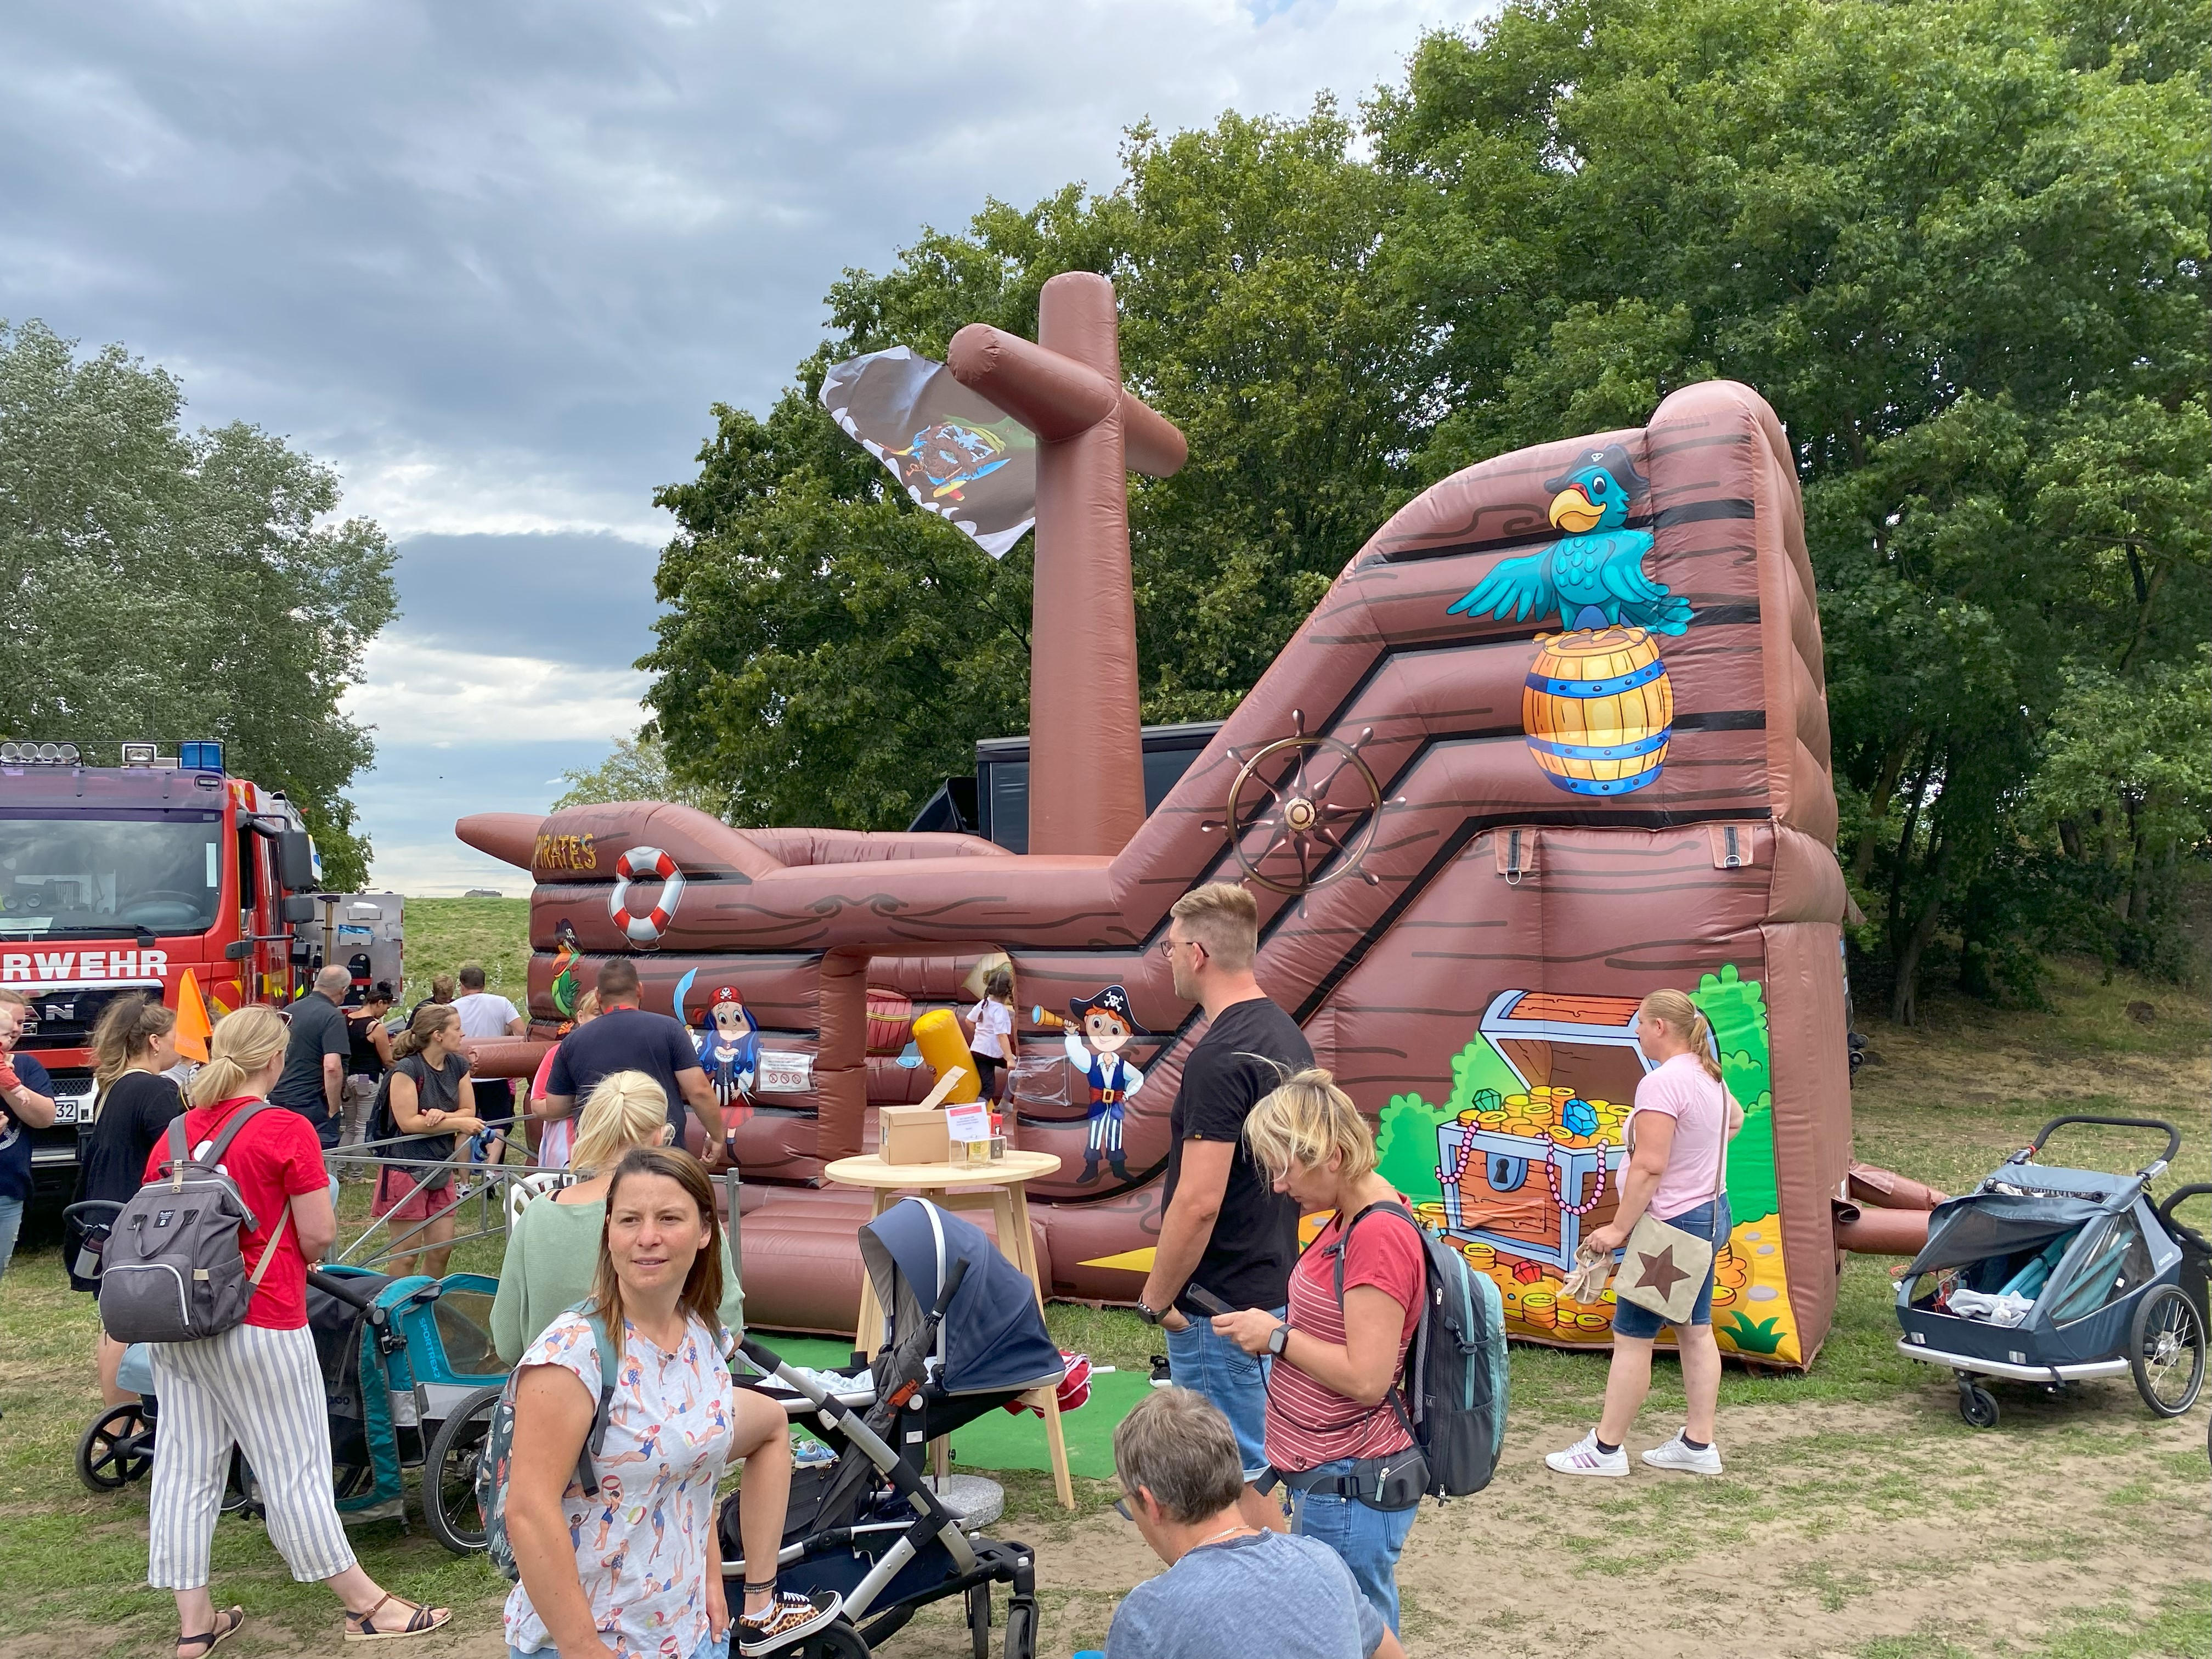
column 174, row 1270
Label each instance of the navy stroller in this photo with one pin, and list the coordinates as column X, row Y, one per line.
column 962, row 1336
column 2052, row 1276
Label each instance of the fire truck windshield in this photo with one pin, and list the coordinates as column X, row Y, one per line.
column 124, row 872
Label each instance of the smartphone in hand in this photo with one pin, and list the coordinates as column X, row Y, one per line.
column 1206, row 1299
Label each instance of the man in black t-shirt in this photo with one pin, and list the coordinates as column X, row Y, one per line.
column 626, row 1038
column 1225, row 1228
column 315, row 1054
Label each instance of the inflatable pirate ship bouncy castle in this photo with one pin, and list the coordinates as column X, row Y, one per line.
column 1555, row 738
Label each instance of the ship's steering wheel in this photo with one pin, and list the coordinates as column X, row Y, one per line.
column 1301, row 829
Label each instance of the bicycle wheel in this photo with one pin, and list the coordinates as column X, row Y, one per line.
column 449, row 1472
column 2165, row 1350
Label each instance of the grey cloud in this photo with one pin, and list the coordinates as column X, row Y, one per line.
column 575, row 597
column 494, row 260
column 541, row 238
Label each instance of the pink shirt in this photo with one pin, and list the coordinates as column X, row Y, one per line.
column 1679, row 1089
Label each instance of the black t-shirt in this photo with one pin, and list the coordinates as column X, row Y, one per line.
column 435, row 1091
column 1256, row 1237
column 135, row 1111
column 319, row 1028
column 363, row 1060
column 624, row 1040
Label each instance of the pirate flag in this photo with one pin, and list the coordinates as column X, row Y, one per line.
column 958, row 455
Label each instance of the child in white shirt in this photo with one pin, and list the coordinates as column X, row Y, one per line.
column 991, row 1026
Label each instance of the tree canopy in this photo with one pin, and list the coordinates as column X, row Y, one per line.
column 171, row 585
column 1960, row 245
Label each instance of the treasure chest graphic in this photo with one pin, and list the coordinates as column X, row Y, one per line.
column 1528, row 1173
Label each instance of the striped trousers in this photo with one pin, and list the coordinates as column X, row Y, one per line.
column 264, row 1391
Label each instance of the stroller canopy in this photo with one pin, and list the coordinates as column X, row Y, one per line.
column 1983, row 1225
column 993, row 1337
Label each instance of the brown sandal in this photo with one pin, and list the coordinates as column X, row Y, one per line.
column 420, row 1621
column 233, row 1619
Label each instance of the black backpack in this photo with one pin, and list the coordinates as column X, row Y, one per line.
column 173, row 1269
column 1451, row 1394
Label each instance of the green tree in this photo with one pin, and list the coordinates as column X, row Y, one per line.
column 169, row 584
column 831, row 653
column 1960, row 245
column 636, row 769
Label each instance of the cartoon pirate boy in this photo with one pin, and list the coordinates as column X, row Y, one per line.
column 729, row 1049
column 1106, row 1021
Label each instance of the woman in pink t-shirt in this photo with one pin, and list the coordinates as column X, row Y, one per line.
column 1678, row 1133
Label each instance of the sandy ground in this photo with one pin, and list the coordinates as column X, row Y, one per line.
column 1835, row 1530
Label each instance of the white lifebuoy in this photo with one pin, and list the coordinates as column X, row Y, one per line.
column 645, row 864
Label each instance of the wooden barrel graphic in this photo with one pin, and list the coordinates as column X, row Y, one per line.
column 1597, row 708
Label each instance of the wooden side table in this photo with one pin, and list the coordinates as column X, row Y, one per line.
column 1000, row 1187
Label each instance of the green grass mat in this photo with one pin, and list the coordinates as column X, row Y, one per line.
column 1004, row 1440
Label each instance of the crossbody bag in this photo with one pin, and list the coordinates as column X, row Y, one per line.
column 1663, row 1268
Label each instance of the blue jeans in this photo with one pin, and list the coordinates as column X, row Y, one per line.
column 1233, row 1380
column 1367, row 1539
column 1629, row 1320
column 11, row 1224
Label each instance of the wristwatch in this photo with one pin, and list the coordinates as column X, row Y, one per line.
column 1276, row 1338
column 1149, row 1315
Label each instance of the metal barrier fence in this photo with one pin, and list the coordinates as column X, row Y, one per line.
column 479, row 1166
column 487, row 1183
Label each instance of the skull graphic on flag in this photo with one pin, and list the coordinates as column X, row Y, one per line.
column 956, row 455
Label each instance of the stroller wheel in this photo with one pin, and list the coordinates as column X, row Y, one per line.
column 979, row 1620
column 835, row 1640
column 117, row 1448
column 1021, row 1628
column 1978, row 1406
column 2165, row 1350
column 449, row 1473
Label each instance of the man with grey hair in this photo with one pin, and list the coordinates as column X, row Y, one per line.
column 1230, row 1588
column 312, row 1082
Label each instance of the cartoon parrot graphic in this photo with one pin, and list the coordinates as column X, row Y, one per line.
column 567, row 952
column 1592, row 575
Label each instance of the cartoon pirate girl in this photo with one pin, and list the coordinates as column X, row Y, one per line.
column 729, row 1049
column 1105, row 1019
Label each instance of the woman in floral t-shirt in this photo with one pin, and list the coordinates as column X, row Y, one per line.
column 635, row 1572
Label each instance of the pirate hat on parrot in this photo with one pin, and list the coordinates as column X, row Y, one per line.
column 1112, row 1000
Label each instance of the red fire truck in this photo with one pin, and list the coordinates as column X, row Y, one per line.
column 116, row 878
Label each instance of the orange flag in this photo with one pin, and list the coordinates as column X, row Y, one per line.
column 193, row 1026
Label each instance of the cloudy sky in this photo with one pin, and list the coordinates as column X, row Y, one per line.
column 494, row 261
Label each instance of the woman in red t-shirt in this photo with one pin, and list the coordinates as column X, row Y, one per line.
column 1331, row 1405
column 259, row 1384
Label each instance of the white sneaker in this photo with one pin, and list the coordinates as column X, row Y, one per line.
column 1674, row 1455
column 1583, row 1457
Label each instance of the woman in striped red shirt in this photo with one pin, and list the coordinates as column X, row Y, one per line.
column 1334, row 1426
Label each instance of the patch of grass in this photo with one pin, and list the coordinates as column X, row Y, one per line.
column 2180, row 1629
column 442, row 933
column 1111, row 1336
column 1837, row 1587
column 1922, row 1646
